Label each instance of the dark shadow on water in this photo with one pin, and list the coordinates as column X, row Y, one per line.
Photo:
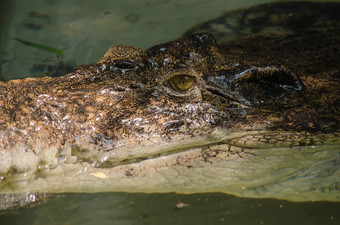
column 215, row 208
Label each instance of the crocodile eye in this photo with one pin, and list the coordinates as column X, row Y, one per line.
column 182, row 83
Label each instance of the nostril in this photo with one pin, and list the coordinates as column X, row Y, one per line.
column 124, row 65
column 120, row 88
column 136, row 85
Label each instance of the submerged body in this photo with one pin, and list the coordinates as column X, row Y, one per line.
column 255, row 117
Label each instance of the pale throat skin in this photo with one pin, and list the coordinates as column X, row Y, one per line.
column 186, row 116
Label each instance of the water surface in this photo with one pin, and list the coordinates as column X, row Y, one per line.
column 215, row 208
column 85, row 29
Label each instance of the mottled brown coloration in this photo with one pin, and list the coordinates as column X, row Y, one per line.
column 122, row 98
column 124, row 117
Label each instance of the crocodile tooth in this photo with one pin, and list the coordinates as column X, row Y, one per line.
column 20, row 180
column 71, row 160
column 54, row 164
column 49, row 166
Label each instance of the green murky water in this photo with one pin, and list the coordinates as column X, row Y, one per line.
column 84, row 29
column 122, row 208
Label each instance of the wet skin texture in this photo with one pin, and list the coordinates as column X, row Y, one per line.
column 101, row 101
column 282, row 86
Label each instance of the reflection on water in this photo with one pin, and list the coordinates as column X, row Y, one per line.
column 123, row 208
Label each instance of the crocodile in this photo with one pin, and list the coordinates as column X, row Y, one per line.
column 257, row 116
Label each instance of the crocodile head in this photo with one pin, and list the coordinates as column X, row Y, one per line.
column 184, row 116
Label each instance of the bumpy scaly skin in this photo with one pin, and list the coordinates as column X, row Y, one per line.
column 117, row 101
column 120, row 121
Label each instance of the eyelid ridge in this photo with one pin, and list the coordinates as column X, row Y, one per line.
column 176, row 72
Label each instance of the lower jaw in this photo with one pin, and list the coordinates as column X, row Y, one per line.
column 301, row 173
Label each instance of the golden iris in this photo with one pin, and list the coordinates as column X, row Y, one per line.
column 182, row 83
